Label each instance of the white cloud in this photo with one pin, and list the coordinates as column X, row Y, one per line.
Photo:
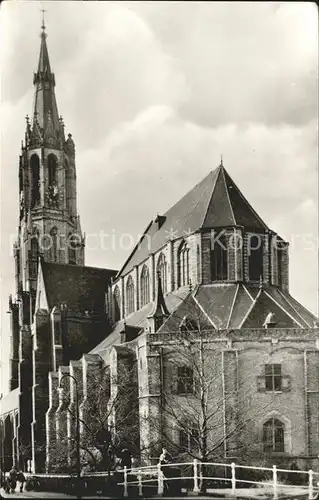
column 153, row 93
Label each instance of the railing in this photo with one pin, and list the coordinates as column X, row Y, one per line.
column 160, row 474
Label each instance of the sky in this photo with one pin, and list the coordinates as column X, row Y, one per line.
column 153, row 93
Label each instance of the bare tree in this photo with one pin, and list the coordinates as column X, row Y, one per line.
column 108, row 422
column 204, row 408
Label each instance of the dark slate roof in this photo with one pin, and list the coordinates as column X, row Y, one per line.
column 224, row 306
column 45, row 100
column 138, row 319
column 9, row 402
column 214, row 202
column 243, row 306
column 80, row 287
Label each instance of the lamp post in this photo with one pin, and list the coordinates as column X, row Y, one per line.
column 77, row 432
column 2, row 451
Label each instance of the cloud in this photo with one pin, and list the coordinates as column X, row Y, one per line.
column 154, row 93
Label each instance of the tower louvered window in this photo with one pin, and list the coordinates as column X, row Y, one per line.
column 33, row 258
column 35, row 177
column 183, row 265
column 54, row 244
column 130, row 296
column 162, row 270
column 52, row 168
column 145, row 286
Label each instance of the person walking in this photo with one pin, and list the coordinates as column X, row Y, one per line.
column 13, row 478
column 21, row 479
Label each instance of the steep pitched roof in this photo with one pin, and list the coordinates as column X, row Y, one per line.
column 45, row 112
column 80, row 287
column 216, row 201
column 241, row 306
column 139, row 319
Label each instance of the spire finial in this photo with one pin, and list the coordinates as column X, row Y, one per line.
column 221, row 160
column 43, row 25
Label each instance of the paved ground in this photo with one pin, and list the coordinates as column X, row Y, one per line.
column 243, row 494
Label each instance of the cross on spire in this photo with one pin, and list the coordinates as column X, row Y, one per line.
column 43, row 25
column 221, row 160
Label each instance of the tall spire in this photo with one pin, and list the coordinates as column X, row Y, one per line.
column 45, row 111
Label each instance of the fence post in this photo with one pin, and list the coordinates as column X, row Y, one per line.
column 140, row 484
column 160, row 485
column 310, row 494
column 195, row 466
column 125, row 481
column 274, row 479
column 233, row 478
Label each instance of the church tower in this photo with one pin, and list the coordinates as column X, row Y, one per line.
column 48, row 219
column 49, row 225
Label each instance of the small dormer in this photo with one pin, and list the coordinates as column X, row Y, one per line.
column 159, row 221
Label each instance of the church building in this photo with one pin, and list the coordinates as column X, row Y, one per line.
column 222, row 360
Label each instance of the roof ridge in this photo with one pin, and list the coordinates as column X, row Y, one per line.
column 59, row 264
column 134, row 249
column 227, row 193
column 214, row 187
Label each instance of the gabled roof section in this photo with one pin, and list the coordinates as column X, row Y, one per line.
column 264, row 304
column 216, row 201
column 81, row 288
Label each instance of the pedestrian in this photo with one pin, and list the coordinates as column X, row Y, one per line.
column 7, row 484
column 165, row 457
column 21, row 479
column 126, row 458
column 13, row 478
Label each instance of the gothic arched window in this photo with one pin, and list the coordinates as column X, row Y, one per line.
column 162, row 269
column 117, row 303
column 130, row 296
column 274, row 435
column 255, row 252
column 72, row 244
column 183, row 265
column 33, row 258
column 67, row 184
column 35, row 180
column 52, row 168
column 219, row 258
column 145, row 286
column 54, row 244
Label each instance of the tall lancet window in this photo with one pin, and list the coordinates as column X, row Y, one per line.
column 183, row 265
column 219, row 258
column 67, row 184
column 33, row 258
column 54, row 244
column 35, row 180
column 72, row 244
column 117, row 303
column 145, row 286
column 255, row 252
column 130, row 295
column 52, row 169
column 162, row 269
